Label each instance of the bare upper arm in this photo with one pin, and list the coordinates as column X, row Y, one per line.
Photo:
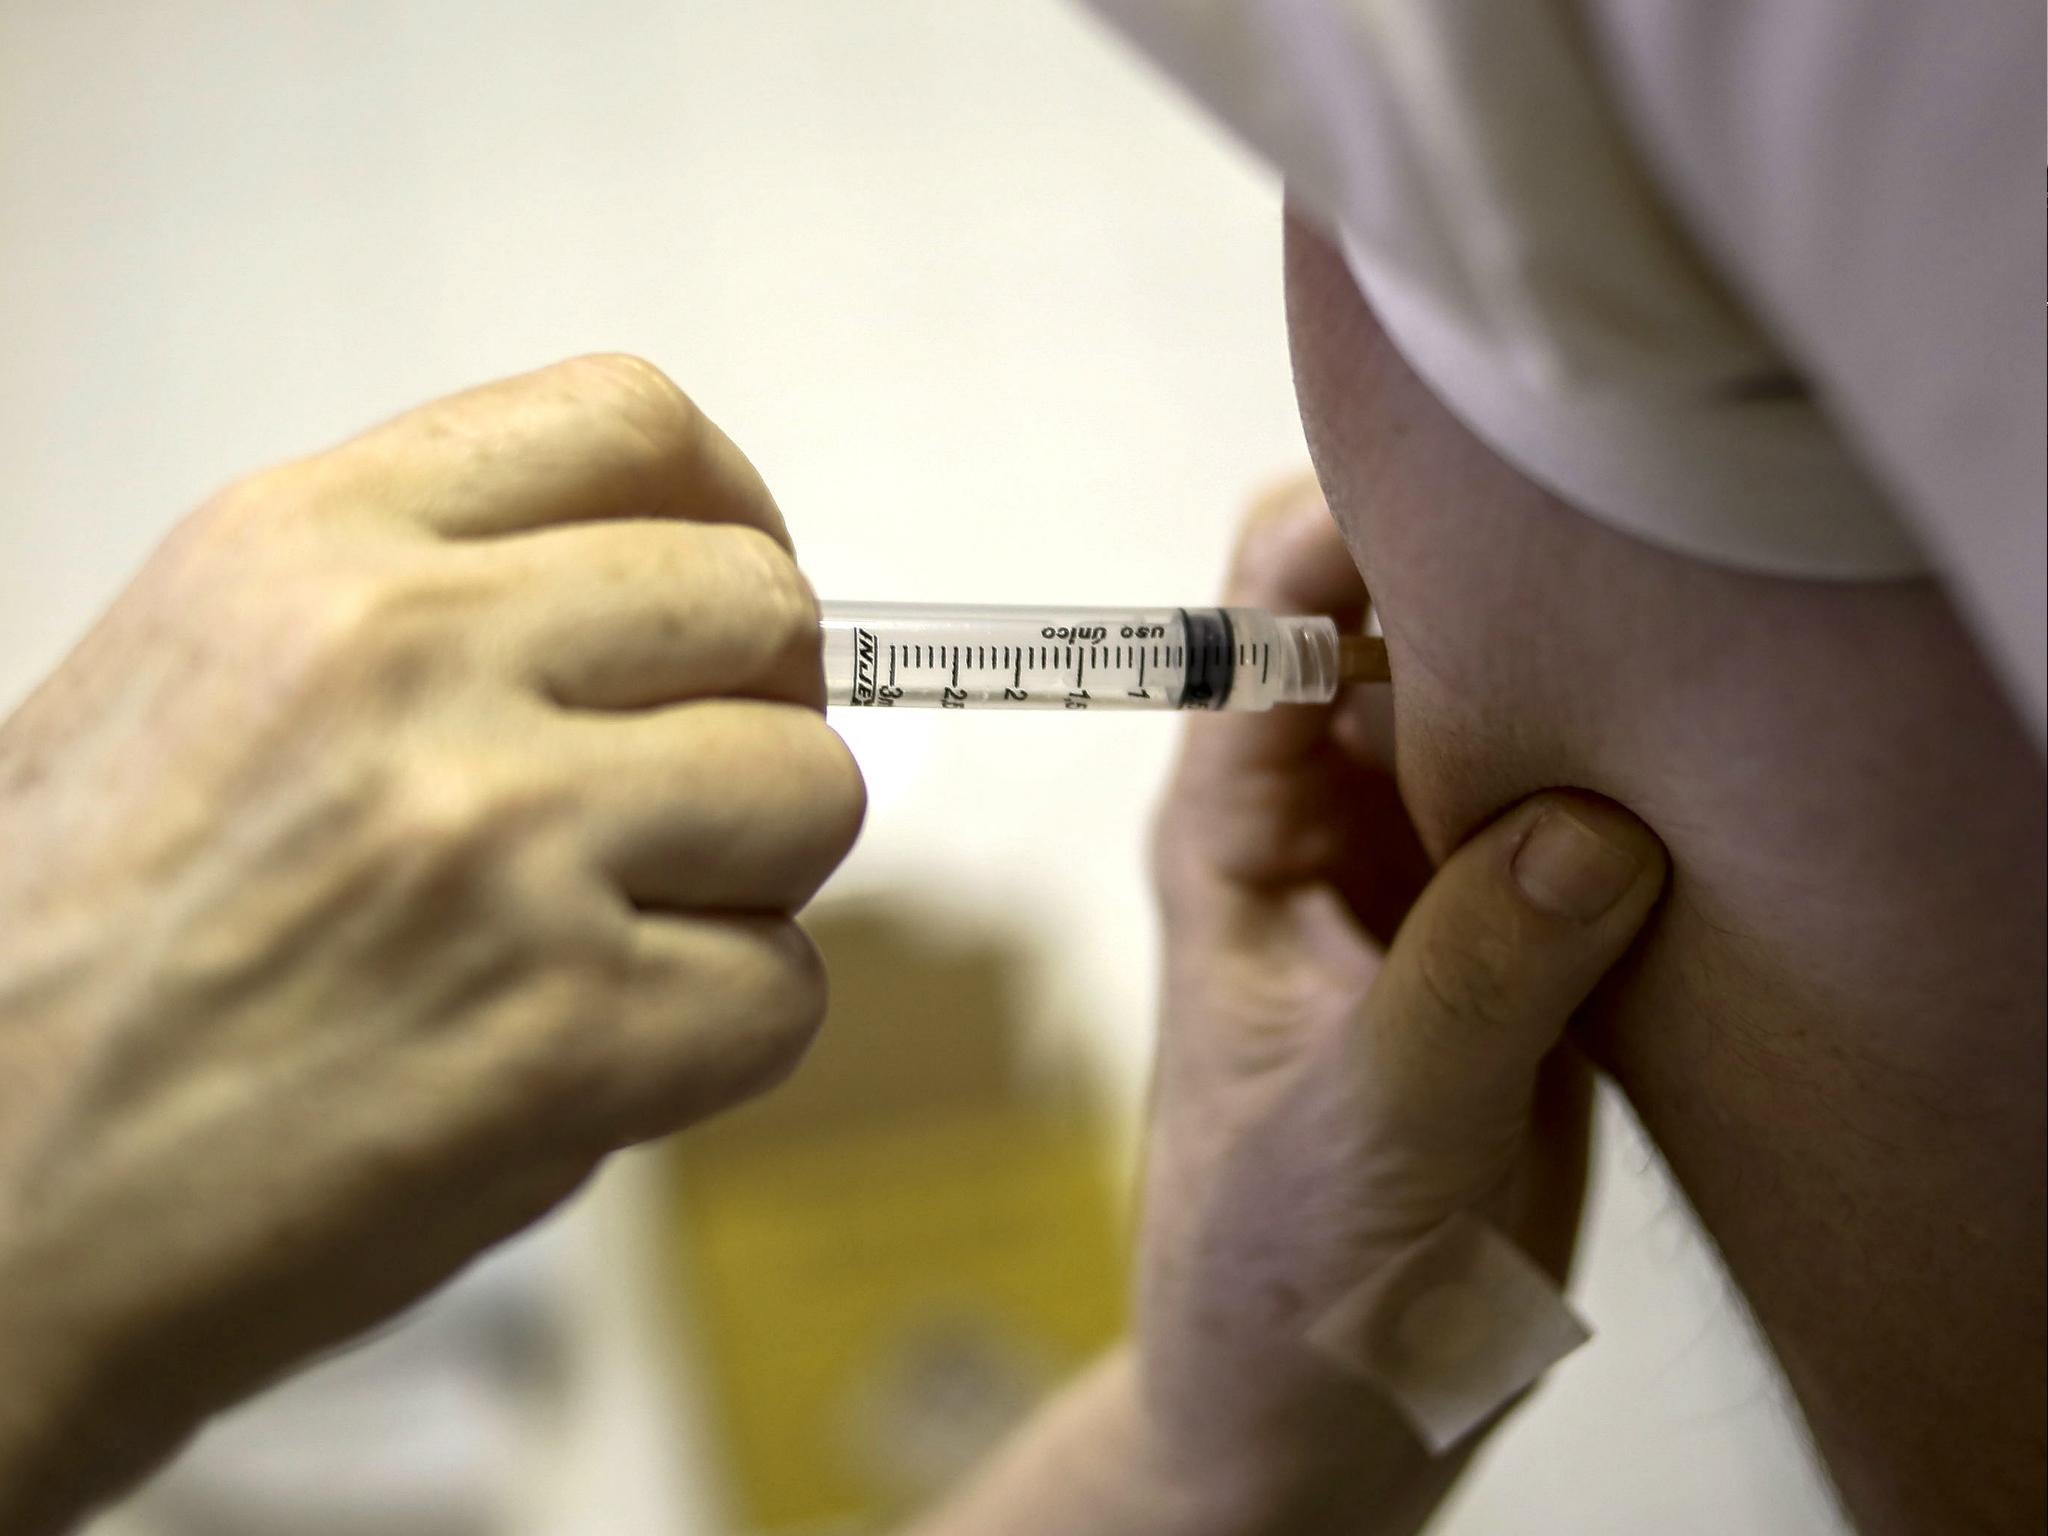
column 1835, row 1031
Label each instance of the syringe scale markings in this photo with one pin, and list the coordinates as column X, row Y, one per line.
column 1082, row 658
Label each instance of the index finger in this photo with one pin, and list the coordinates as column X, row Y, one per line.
column 585, row 440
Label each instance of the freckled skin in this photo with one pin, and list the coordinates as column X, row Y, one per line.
column 1835, row 1028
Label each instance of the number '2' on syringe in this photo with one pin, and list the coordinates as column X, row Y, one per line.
column 898, row 655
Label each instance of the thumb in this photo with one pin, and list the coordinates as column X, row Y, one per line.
column 1503, row 946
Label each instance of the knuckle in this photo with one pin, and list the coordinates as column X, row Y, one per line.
column 731, row 1018
column 253, row 499
column 773, row 996
column 439, row 801
column 788, row 608
column 654, row 434
column 366, row 642
column 810, row 763
column 557, row 1055
column 234, row 508
column 781, row 613
column 834, row 786
column 236, row 523
column 643, row 397
column 451, row 806
column 292, row 492
column 389, row 630
column 349, row 642
column 795, row 1005
column 342, row 615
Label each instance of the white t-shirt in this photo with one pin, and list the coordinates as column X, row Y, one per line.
column 1757, row 281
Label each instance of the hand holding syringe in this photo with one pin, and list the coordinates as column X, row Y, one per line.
column 962, row 657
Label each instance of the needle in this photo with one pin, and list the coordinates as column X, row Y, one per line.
column 1362, row 659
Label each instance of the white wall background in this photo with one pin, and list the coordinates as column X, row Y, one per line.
column 998, row 316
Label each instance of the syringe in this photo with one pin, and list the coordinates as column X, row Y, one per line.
column 898, row 655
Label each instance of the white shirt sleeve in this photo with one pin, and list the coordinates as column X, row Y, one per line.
column 1591, row 226
column 1871, row 178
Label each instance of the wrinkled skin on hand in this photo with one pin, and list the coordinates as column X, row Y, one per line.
column 1314, row 1114
column 1329, row 1092
column 426, row 821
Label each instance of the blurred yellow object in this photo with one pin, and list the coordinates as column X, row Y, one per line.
column 886, row 1261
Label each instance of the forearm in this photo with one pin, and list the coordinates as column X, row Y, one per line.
column 68, row 1440
column 50, row 1477
column 1087, row 1465
column 1083, row 1466
column 38, row 1494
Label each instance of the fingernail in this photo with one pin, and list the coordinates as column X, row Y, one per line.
column 1567, row 868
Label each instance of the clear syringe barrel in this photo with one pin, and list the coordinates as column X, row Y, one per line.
column 897, row 655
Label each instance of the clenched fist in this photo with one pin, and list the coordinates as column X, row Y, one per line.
column 424, row 823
